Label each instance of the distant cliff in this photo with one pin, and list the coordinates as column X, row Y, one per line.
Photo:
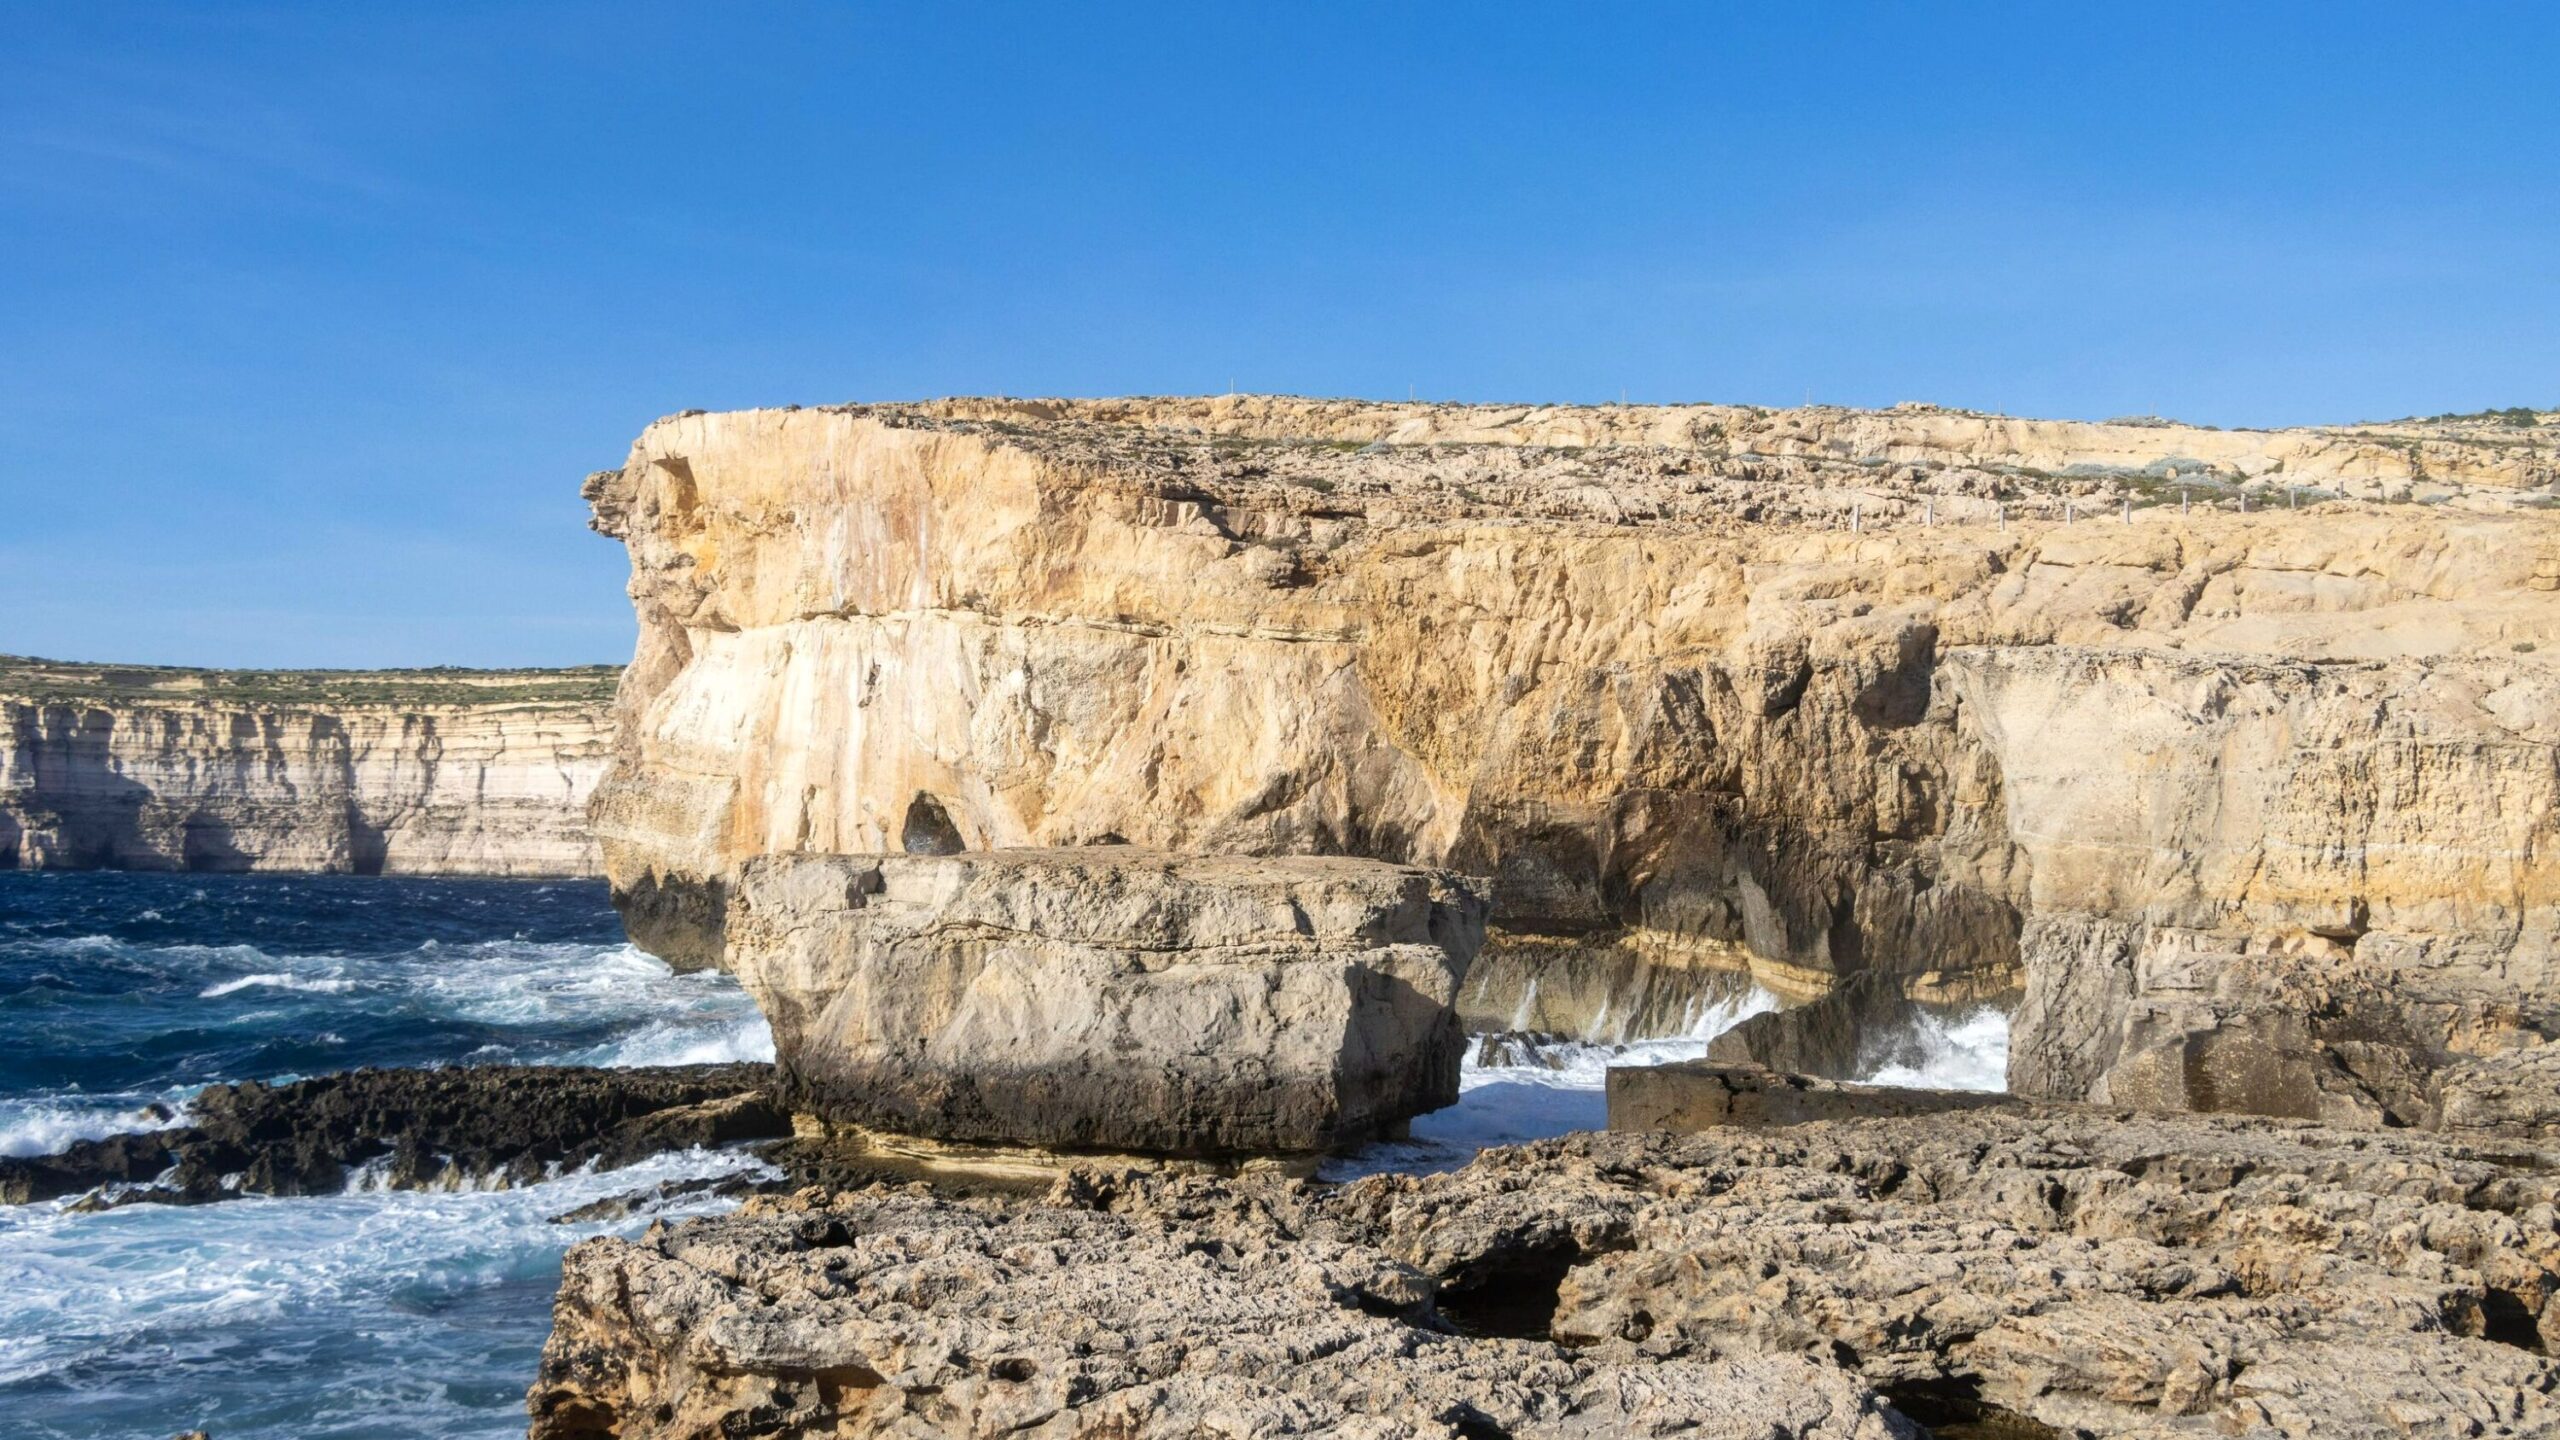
column 455, row 772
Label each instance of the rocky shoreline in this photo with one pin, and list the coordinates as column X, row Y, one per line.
column 2058, row 1271
column 462, row 1127
column 1114, row 807
column 2000, row 1269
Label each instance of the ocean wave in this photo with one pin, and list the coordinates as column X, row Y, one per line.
column 1538, row 1087
column 1964, row 1052
column 679, row 1043
column 279, row 980
column 339, row 1298
column 45, row 1124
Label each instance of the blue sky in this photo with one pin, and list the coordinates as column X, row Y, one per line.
column 313, row 317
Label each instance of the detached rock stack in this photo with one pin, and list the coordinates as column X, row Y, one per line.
column 1110, row 997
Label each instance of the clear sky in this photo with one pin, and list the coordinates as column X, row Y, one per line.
column 313, row 317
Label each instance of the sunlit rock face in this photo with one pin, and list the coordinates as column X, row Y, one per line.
column 2253, row 809
column 1109, row 998
column 442, row 772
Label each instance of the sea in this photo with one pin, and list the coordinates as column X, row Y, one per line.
column 382, row 1314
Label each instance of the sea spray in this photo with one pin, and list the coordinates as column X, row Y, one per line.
column 121, row 995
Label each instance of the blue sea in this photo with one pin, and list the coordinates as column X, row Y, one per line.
column 367, row 1314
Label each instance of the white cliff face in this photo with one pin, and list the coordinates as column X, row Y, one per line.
column 466, row 773
column 2256, row 807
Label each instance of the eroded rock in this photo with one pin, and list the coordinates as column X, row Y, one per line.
column 416, row 1129
column 897, row 1313
column 1110, row 997
column 400, row 772
column 2090, row 1272
column 2257, row 807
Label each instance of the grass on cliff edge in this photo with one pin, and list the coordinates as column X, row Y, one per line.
column 54, row 681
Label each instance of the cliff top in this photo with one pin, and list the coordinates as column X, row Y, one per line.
column 1722, row 465
column 28, row 678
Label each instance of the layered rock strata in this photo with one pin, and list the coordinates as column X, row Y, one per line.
column 2254, row 805
column 2029, row 1271
column 430, row 772
column 1109, row 998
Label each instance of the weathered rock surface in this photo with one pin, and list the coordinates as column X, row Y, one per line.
column 886, row 1313
column 1109, row 997
column 1710, row 1094
column 2257, row 808
column 440, row 772
column 2094, row 1273
column 419, row 1129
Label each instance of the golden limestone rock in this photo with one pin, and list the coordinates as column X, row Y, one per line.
column 2247, row 806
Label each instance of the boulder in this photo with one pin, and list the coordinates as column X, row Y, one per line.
column 1109, row 997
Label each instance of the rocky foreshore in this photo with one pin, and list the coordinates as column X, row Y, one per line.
column 2032, row 1272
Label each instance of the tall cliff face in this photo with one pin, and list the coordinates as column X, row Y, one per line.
column 2091, row 711
column 397, row 772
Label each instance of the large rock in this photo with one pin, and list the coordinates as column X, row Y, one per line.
column 2283, row 777
column 2033, row 1272
column 402, row 772
column 1110, row 997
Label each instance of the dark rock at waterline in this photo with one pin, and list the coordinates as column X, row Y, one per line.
column 1708, row 1095
column 504, row 1124
column 1838, row 1037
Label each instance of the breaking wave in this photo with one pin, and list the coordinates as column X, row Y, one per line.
column 260, row 1319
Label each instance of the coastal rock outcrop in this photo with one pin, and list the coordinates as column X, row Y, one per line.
column 420, row 772
column 2249, row 806
column 2032, row 1271
column 471, row 1125
column 1109, row 997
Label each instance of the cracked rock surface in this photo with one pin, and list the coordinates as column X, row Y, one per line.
column 2053, row 1271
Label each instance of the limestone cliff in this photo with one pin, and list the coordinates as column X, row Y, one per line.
column 2254, row 802
column 399, row 772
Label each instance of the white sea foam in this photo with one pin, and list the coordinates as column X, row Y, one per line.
column 665, row 1043
column 43, row 1124
column 1561, row 1091
column 291, row 1316
column 1968, row 1052
column 1562, row 1088
column 280, row 980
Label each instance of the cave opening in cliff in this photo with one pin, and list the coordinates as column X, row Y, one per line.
column 928, row 829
